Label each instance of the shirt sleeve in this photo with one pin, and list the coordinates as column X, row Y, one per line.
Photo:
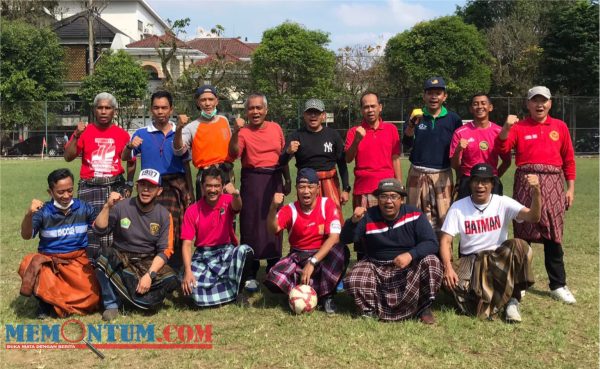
column 332, row 218
column 138, row 150
column 567, row 154
column 349, row 138
column 91, row 213
column 284, row 158
column 454, row 143
column 284, row 218
column 164, row 245
column 450, row 225
column 186, row 138
column 504, row 146
column 406, row 140
column 36, row 222
column 395, row 140
column 113, row 217
column 341, row 160
column 241, row 142
column 352, row 232
column 512, row 206
column 427, row 243
column 188, row 228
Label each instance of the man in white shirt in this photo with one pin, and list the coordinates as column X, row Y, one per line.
column 491, row 271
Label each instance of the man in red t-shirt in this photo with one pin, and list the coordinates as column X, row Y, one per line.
column 316, row 257
column 100, row 145
column 543, row 147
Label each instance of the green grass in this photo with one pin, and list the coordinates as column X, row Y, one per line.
column 267, row 335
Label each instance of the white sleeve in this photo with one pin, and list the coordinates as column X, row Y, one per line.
column 512, row 208
column 450, row 225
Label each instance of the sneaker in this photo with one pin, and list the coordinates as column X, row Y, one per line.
column 512, row 311
column 251, row 285
column 522, row 293
column 340, row 286
column 563, row 294
column 110, row 314
column 426, row 316
column 368, row 314
column 329, row 305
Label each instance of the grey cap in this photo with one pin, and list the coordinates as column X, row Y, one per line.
column 390, row 185
column 315, row 104
column 538, row 90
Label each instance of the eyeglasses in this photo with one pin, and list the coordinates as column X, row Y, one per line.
column 385, row 197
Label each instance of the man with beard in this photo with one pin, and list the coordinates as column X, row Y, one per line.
column 316, row 257
column 429, row 182
column 474, row 143
column 59, row 275
column 259, row 144
column 135, row 265
column 100, row 145
column 400, row 274
column 154, row 144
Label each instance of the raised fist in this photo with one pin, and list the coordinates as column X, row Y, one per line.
column 511, row 120
column 462, row 144
column 293, row 148
column 182, row 120
column 360, row 134
column 229, row 188
column 359, row 213
column 113, row 198
column 35, row 205
column 80, row 128
column 278, row 198
column 532, row 180
column 136, row 142
column 239, row 123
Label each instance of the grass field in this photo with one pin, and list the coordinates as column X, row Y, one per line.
column 267, row 335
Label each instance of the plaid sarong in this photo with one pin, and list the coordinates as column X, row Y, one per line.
column 550, row 226
column 286, row 274
column 487, row 280
column 330, row 187
column 218, row 271
column 393, row 293
column 430, row 192
column 124, row 270
column 95, row 192
column 176, row 197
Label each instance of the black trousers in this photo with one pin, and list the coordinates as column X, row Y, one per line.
column 256, row 267
column 555, row 266
column 247, row 271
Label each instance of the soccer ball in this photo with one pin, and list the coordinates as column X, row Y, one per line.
column 302, row 299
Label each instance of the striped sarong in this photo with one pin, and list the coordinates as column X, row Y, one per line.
column 124, row 270
column 488, row 280
column 330, row 187
column 218, row 271
column 392, row 293
column 176, row 197
column 430, row 192
column 550, row 226
column 257, row 189
column 287, row 273
column 95, row 192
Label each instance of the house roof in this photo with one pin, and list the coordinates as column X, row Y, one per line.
column 155, row 41
column 230, row 47
column 74, row 29
column 207, row 60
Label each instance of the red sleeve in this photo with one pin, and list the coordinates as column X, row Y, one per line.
column 454, row 143
column 505, row 146
column 188, row 228
column 332, row 218
column 349, row 138
column 281, row 138
column 284, row 217
column 395, row 140
column 567, row 153
column 241, row 142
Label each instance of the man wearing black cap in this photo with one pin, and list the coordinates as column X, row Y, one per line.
column 430, row 181
column 401, row 274
column 316, row 257
column 491, row 271
column 320, row 148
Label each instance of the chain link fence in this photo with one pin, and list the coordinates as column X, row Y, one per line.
column 52, row 121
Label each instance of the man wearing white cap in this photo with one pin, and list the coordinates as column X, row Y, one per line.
column 134, row 266
column 543, row 147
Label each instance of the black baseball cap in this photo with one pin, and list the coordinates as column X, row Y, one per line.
column 390, row 185
column 307, row 175
column 482, row 170
column 205, row 88
column 434, row 82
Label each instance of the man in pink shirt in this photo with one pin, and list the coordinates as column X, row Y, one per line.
column 473, row 143
column 375, row 145
column 543, row 147
column 215, row 273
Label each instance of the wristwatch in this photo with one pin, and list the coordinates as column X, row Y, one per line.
column 314, row 261
column 152, row 275
column 129, row 184
column 347, row 188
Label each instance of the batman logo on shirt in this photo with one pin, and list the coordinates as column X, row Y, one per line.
column 154, row 228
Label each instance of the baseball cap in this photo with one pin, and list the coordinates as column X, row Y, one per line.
column 538, row 90
column 434, row 82
column 150, row 175
column 314, row 104
column 307, row 175
column 482, row 170
column 390, row 185
column 206, row 88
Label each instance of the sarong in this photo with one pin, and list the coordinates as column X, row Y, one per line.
column 176, row 197
column 287, row 273
column 392, row 293
column 95, row 192
column 66, row 281
column 257, row 189
column 330, row 187
column 218, row 271
column 487, row 280
column 430, row 192
column 124, row 270
column 550, row 226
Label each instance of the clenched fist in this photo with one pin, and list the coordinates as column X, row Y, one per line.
column 113, row 198
column 35, row 206
column 182, row 120
column 278, row 198
column 360, row 134
column 293, row 148
column 510, row 121
column 80, row 128
column 136, row 142
column 532, row 180
column 359, row 213
column 462, row 144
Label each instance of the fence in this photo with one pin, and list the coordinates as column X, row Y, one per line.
column 54, row 119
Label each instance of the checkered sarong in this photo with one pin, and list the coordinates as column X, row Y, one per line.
column 430, row 192
column 95, row 192
column 393, row 293
column 286, row 274
column 218, row 271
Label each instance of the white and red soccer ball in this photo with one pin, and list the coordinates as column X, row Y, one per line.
column 302, row 299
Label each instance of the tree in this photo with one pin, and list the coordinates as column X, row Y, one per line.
column 357, row 70
column 569, row 62
column 485, row 14
column 31, row 70
column 37, row 13
column 119, row 74
column 444, row 47
column 290, row 64
column 167, row 48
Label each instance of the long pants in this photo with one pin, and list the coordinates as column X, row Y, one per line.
column 555, row 266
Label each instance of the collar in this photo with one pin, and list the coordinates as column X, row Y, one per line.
column 443, row 112
column 150, row 127
column 366, row 125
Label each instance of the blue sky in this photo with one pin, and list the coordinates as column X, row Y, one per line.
column 347, row 22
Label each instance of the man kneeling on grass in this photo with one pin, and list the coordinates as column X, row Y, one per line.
column 134, row 266
column 401, row 274
column 217, row 270
column 316, row 257
column 491, row 271
column 59, row 275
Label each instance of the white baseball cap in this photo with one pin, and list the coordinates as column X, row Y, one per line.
column 150, row 175
column 538, row 90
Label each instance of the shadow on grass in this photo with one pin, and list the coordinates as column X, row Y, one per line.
column 24, row 307
column 539, row 293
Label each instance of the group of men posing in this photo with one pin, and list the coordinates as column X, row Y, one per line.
column 108, row 246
